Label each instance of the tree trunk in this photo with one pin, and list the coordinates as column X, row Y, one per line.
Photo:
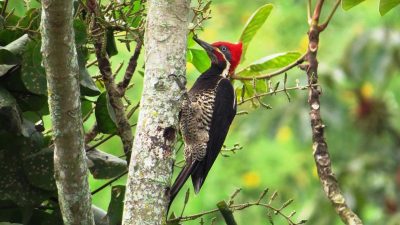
column 150, row 170
column 60, row 62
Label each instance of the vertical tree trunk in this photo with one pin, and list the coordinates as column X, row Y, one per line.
column 60, row 62
column 152, row 157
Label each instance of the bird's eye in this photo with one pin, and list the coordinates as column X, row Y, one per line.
column 223, row 48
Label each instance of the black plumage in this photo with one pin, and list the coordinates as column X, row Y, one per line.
column 205, row 120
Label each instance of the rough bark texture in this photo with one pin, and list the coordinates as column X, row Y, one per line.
column 122, row 123
column 150, row 169
column 60, row 62
column 320, row 147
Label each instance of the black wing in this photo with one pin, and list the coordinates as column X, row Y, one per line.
column 223, row 114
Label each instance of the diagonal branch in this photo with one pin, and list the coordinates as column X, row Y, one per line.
column 320, row 147
column 325, row 24
column 122, row 123
column 130, row 69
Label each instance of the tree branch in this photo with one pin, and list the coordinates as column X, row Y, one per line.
column 273, row 74
column 122, row 123
column 325, row 24
column 130, row 69
column 320, row 147
column 61, row 65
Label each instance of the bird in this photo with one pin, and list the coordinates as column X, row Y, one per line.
column 207, row 113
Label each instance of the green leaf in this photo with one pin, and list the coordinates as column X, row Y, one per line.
column 14, row 185
column 33, row 74
column 8, row 58
column 105, row 166
column 386, row 5
column 9, row 53
column 39, row 169
column 253, row 24
column 115, row 208
column 200, row 59
column 86, row 106
column 88, row 86
column 10, row 119
column 190, row 41
column 261, row 86
column 18, row 6
column 17, row 47
column 105, row 115
column 80, row 32
column 30, row 102
column 348, row 4
column 111, row 46
column 274, row 61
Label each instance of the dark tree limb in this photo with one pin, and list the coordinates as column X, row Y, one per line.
column 130, row 69
column 320, row 147
column 122, row 123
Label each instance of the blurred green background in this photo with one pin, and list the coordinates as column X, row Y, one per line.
column 359, row 71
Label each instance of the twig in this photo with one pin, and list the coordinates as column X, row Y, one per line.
column 325, row 24
column 91, row 63
column 277, row 211
column 320, row 147
column 91, row 134
column 103, row 140
column 118, row 69
column 309, row 5
column 273, row 74
column 130, row 69
column 3, row 11
column 273, row 92
column 109, row 182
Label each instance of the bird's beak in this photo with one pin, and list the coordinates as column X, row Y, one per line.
column 209, row 49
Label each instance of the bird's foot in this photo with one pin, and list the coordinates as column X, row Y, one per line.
column 180, row 83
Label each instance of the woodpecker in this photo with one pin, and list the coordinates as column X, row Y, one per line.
column 206, row 114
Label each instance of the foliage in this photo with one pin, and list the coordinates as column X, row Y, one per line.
column 384, row 5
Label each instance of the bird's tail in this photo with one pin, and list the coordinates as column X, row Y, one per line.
column 180, row 181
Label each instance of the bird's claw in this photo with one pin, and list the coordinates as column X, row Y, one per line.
column 180, row 84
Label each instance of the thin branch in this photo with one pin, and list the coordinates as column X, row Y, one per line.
column 325, row 24
column 118, row 69
column 91, row 63
column 3, row 11
column 277, row 211
column 275, row 73
column 103, row 140
column 109, row 182
column 130, row 69
column 274, row 92
column 317, row 12
column 309, row 5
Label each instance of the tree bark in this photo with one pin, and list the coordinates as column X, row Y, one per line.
column 150, row 170
column 60, row 62
column 320, row 147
